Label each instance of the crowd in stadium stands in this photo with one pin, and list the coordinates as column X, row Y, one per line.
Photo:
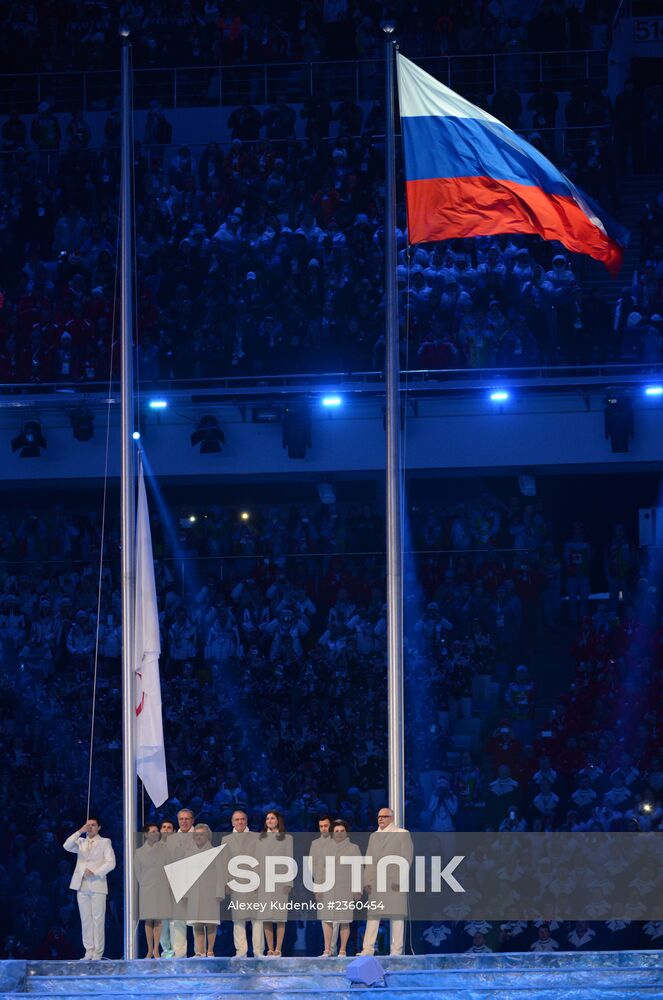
column 274, row 688
column 265, row 256
column 51, row 35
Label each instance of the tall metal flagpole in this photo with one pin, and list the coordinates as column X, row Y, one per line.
column 393, row 425
column 128, row 512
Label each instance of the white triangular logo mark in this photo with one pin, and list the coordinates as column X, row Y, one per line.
column 183, row 874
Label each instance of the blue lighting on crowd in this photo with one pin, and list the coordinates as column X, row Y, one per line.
column 331, row 401
column 654, row 390
column 158, row 404
column 499, row 396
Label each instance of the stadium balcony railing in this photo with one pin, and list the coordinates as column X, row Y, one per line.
column 417, row 382
column 193, row 567
column 228, row 86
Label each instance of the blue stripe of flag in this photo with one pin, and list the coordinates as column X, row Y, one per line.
column 468, row 147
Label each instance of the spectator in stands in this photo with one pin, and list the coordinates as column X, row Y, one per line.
column 13, row 132
column 158, row 130
column 577, row 560
column 543, row 104
column 45, row 129
column 520, row 700
column 506, row 104
column 628, row 127
column 502, row 794
column 442, row 807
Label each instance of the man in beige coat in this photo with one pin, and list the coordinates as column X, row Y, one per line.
column 388, row 839
column 179, row 845
column 240, row 842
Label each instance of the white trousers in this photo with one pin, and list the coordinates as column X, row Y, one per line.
column 397, row 928
column 92, row 908
column 178, row 937
column 166, row 945
column 240, row 941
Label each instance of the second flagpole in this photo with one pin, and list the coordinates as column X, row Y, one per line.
column 128, row 515
column 393, row 463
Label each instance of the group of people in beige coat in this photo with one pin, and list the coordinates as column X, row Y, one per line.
column 166, row 919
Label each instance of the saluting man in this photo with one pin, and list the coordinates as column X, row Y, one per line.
column 95, row 860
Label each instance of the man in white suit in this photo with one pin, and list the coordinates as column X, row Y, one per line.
column 95, row 859
column 388, row 839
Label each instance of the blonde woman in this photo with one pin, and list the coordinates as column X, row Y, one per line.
column 202, row 902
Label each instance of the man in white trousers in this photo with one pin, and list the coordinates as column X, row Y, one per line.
column 167, row 950
column 240, row 841
column 179, row 845
column 387, row 839
column 319, row 849
column 95, row 859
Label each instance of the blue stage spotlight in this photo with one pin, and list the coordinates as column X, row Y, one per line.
column 158, row 404
column 332, row 401
column 136, row 435
column 654, row 390
column 499, row 396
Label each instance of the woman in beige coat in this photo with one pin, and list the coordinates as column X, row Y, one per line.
column 153, row 894
column 339, row 901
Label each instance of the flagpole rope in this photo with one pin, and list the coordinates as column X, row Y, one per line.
column 103, row 532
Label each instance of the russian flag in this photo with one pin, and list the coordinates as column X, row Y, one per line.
column 467, row 174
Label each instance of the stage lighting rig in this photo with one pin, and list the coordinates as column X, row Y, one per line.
column 82, row 423
column 297, row 430
column 30, row 441
column 208, row 435
column 619, row 421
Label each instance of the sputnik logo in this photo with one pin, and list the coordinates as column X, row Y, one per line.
column 185, row 873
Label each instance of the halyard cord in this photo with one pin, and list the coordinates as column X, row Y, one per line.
column 101, row 549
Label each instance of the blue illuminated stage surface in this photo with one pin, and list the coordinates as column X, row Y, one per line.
column 583, row 976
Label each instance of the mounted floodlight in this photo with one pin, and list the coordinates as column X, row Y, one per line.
column 208, row 435
column 499, row 396
column 30, row 441
column 266, row 414
column 619, row 421
column 297, row 430
column 82, row 423
column 158, row 404
column 654, row 390
column 331, row 402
